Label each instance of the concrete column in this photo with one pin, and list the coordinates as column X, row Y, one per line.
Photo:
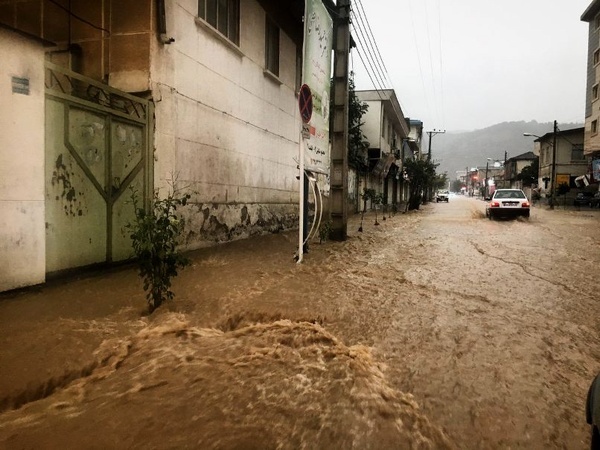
column 339, row 148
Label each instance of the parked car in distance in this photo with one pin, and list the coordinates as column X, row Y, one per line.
column 442, row 196
column 583, row 198
column 595, row 200
column 508, row 203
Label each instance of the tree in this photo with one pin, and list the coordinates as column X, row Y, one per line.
column 368, row 194
column 358, row 145
column 456, row 186
column 440, row 181
column 529, row 174
column 421, row 174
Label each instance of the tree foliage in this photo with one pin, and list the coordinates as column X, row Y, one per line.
column 529, row 174
column 421, row 174
column 440, row 181
column 358, row 145
column 154, row 234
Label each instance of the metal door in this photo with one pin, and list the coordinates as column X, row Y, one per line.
column 97, row 151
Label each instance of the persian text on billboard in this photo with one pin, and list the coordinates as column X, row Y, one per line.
column 316, row 72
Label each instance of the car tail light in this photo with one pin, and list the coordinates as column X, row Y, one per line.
column 495, row 205
column 525, row 204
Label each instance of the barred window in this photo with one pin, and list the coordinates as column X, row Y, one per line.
column 223, row 15
column 577, row 152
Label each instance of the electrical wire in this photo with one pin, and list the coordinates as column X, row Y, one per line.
column 81, row 19
column 427, row 103
column 368, row 55
column 374, row 42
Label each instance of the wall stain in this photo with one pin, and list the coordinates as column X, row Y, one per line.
column 207, row 224
column 62, row 181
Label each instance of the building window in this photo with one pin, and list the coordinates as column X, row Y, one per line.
column 595, row 92
column 597, row 22
column 272, row 47
column 298, row 69
column 577, row 152
column 594, row 126
column 223, row 15
column 596, row 56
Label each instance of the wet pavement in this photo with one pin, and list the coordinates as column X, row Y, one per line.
column 435, row 329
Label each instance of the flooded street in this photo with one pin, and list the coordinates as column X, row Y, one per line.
column 435, row 329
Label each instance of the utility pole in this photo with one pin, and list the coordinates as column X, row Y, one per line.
column 429, row 189
column 485, row 186
column 431, row 134
column 553, row 181
column 339, row 141
column 504, row 167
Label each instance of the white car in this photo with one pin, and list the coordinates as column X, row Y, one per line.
column 442, row 196
column 508, row 203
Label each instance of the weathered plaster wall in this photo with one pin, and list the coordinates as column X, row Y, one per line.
column 22, row 235
column 228, row 131
column 372, row 127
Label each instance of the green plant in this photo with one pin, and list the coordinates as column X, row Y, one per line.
column 377, row 200
column 154, row 234
column 368, row 194
column 325, row 231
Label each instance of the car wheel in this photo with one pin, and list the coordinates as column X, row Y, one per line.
column 490, row 216
column 526, row 215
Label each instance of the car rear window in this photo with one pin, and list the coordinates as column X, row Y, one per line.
column 510, row 194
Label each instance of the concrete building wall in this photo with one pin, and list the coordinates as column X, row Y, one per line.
column 372, row 123
column 112, row 44
column 225, row 129
column 592, row 104
column 22, row 233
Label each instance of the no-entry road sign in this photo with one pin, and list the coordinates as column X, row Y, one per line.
column 305, row 103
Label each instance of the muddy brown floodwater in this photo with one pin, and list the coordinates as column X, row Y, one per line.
column 435, row 329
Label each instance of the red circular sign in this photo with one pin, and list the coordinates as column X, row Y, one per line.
column 305, row 103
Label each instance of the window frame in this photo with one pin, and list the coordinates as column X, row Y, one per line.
column 594, row 127
column 577, row 149
column 272, row 46
column 226, row 23
column 595, row 92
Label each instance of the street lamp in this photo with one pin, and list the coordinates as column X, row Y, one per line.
column 553, row 171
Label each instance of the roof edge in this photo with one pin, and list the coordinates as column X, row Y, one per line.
column 591, row 11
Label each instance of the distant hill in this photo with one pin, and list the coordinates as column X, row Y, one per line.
column 456, row 150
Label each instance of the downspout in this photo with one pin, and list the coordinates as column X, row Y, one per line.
column 161, row 17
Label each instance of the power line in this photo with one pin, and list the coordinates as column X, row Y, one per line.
column 378, row 53
column 81, row 19
column 373, row 63
column 412, row 18
column 441, row 63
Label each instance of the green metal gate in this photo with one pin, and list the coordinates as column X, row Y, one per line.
column 97, row 149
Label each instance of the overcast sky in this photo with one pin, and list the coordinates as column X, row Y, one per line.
column 468, row 64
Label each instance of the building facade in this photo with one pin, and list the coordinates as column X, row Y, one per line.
column 197, row 95
column 22, row 208
column 592, row 101
column 570, row 164
column 387, row 131
column 514, row 166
